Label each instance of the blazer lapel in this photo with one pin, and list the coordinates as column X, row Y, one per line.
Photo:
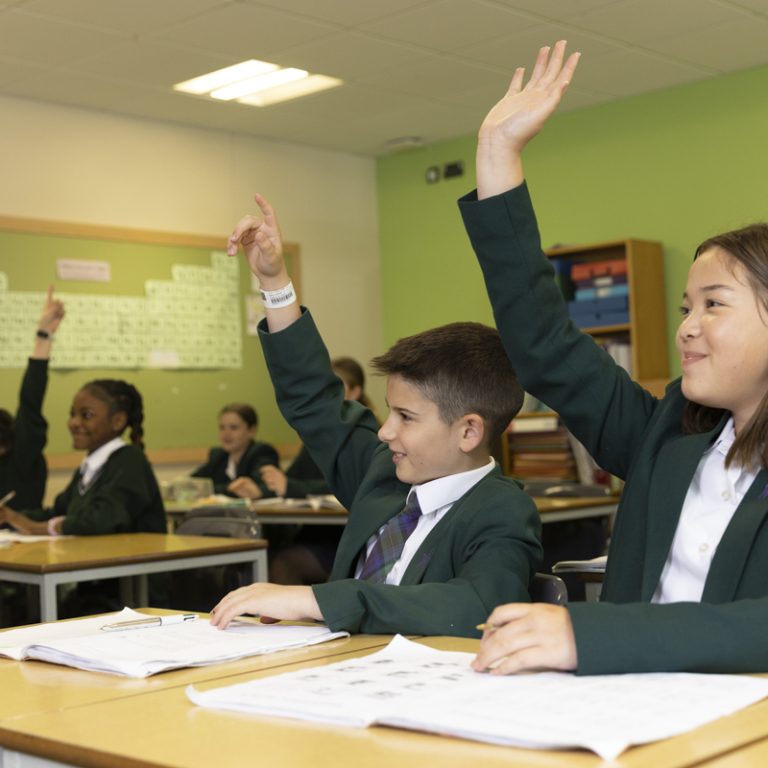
column 733, row 551
column 673, row 471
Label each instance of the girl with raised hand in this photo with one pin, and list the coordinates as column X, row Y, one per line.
column 114, row 490
column 687, row 581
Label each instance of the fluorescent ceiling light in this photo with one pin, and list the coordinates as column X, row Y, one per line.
column 292, row 90
column 221, row 77
column 257, row 83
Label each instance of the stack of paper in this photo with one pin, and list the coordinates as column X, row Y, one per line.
column 144, row 652
column 410, row 686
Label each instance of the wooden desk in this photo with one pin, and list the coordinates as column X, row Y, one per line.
column 162, row 728
column 34, row 686
column 552, row 510
column 84, row 558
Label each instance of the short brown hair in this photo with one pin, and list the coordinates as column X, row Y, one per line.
column 462, row 368
column 749, row 247
column 246, row 412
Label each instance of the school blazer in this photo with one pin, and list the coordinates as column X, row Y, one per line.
column 256, row 456
column 23, row 468
column 482, row 553
column 123, row 497
column 638, row 438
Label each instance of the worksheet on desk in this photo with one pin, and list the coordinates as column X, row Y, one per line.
column 411, row 686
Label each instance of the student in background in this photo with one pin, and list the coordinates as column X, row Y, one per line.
column 22, row 439
column 436, row 534
column 687, row 582
column 303, row 477
column 234, row 466
column 114, row 490
column 308, row 558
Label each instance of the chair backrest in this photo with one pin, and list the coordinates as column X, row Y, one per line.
column 230, row 526
column 547, row 588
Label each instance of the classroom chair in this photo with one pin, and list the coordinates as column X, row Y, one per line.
column 548, row 588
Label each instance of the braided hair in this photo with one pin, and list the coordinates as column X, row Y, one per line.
column 119, row 395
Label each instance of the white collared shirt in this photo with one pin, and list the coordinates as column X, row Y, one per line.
column 435, row 497
column 709, row 505
column 93, row 462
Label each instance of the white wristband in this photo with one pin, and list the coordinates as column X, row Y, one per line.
column 279, row 298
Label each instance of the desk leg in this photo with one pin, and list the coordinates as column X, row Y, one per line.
column 48, row 609
column 259, row 567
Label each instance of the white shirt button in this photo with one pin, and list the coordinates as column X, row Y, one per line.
column 703, row 548
column 726, row 495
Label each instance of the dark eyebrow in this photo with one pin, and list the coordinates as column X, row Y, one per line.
column 715, row 287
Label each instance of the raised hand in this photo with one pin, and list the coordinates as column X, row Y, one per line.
column 53, row 313
column 518, row 117
column 262, row 245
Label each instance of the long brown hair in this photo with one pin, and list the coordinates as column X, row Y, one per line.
column 749, row 247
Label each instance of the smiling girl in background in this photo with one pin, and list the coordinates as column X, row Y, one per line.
column 114, row 490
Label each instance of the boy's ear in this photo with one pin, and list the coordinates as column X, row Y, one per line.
column 119, row 421
column 471, row 432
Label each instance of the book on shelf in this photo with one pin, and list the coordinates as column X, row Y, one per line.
column 534, row 422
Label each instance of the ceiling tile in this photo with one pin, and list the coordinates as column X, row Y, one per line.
column 350, row 55
column 446, row 25
column 345, row 13
column 244, row 31
column 639, row 22
column 739, row 44
column 47, row 41
column 133, row 17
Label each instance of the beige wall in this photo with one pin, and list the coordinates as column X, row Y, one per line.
column 69, row 164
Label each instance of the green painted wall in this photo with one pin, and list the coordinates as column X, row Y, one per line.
column 180, row 406
column 675, row 166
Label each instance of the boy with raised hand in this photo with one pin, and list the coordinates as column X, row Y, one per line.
column 436, row 535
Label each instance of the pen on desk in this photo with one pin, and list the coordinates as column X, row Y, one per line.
column 150, row 621
column 8, row 496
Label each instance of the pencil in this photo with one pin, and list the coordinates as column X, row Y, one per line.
column 482, row 627
column 8, row 496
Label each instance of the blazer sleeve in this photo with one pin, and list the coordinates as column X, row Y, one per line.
column 553, row 359
column 340, row 435
column 31, row 429
column 304, row 477
column 214, row 469
column 675, row 637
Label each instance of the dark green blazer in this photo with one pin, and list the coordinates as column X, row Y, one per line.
column 256, row 456
column 638, row 438
column 23, row 468
column 482, row 553
column 123, row 497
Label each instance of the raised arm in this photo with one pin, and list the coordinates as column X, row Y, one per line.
column 518, row 117
column 262, row 244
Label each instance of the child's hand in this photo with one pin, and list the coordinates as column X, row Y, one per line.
column 524, row 637
column 274, row 479
column 53, row 313
column 275, row 601
column 245, row 488
column 262, row 245
column 520, row 115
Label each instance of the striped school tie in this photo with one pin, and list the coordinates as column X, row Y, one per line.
column 388, row 547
